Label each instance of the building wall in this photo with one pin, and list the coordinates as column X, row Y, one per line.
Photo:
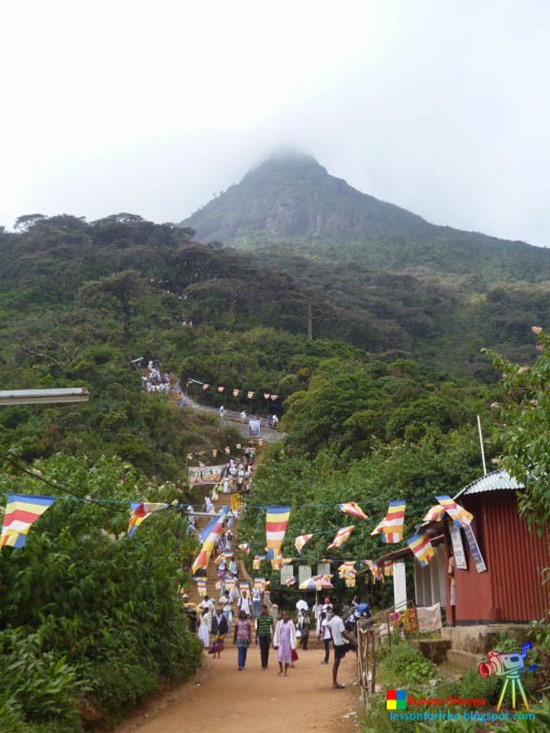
column 511, row 589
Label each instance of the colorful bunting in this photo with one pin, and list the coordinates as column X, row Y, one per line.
column 244, row 587
column 210, row 542
column 353, row 510
column 422, row 548
column 260, row 584
column 391, row 526
column 21, row 511
column 229, row 584
column 290, row 581
column 341, row 537
column 236, row 392
column 387, row 567
column 277, row 562
column 276, row 522
column 139, row 513
column 458, row 514
column 221, row 389
column 250, row 395
column 245, row 547
column 300, row 541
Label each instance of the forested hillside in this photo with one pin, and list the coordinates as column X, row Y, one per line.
column 375, row 406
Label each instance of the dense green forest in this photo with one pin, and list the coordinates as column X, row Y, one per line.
column 380, row 404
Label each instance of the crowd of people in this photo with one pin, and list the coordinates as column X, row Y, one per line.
column 154, row 380
column 248, row 621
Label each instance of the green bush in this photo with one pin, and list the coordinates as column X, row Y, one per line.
column 403, row 663
column 37, row 685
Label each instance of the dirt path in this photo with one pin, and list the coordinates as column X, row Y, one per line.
column 221, row 698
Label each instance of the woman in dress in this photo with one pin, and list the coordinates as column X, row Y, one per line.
column 284, row 641
column 242, row 636
column 204, row 628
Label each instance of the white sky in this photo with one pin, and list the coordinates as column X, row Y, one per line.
column 439, row 106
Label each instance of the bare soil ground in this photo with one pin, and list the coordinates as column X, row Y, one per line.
column 220, row 698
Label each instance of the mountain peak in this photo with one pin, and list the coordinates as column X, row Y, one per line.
column 290, row 195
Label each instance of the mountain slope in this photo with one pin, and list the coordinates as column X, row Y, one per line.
column 290, row 199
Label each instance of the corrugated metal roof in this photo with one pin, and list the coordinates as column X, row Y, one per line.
column 495, row 481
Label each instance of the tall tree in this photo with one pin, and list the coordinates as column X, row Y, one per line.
column 524, row 432
column 124, row 288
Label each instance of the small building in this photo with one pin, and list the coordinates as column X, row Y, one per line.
column 499, row 562
column 500, row 577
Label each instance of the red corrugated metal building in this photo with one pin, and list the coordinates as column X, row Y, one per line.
column 511, row 588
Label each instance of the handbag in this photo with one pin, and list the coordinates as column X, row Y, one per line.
column 294, row 655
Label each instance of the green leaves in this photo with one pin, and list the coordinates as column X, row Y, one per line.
column 523, row 434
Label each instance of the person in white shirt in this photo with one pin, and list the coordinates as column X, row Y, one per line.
column 337, row 629
column 325, row 635
column 244, row 603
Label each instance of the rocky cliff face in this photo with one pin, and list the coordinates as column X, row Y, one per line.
column 292, row 196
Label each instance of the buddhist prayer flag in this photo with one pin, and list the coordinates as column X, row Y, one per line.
column 258, row 561
column 300, row 541
column 210, row 542
column 348, row 573
column 391, row 527
column 244, row 587
column 260, row 584
column 229, row 583
column 458, row 514
column 274, row 397
column 276, row 522
column 290, row 581
column 236, row 393
column 221, row 389
column 245, row 547
column 223, row 556
column 250, row 395
column 21, row 511
column 277, row 562
column 341, row 537
column 387, row 566
column 201, row 586
column 375, row 569
column 434, row 514
column 353, row 510
column 205, row 386
column 139, row 513
column 422, row 548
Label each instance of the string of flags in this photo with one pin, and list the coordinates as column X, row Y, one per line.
column 23, row 510
column 227, row 450
column 234, row 391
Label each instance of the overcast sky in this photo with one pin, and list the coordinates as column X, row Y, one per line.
column 439, row 106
